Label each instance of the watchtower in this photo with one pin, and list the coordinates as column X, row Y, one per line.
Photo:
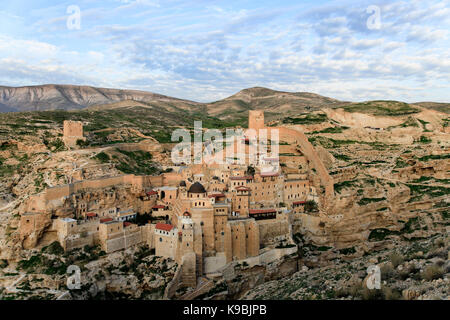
column 256, row 119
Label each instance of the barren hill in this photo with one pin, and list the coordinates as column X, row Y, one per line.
column 438, row 106
column 272, row 101
column 52, row 97
column 276, row 104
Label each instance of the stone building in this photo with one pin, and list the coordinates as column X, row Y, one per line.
column 72, row 132
column 207, row 216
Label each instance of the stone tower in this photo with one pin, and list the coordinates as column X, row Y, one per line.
column 256, row 119
column 188, row 256
column 73, row 131
column 241, row 201
column 187, row 231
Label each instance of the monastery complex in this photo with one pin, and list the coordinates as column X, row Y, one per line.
column 202, row 216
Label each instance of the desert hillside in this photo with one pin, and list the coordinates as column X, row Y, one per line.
column 276, row 104
column 51, row 97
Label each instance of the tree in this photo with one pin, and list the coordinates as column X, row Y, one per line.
column 311, row 206
column 81, row 143
column 250, row 171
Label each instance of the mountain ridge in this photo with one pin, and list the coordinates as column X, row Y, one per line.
column 73, row 97
column 66, row 97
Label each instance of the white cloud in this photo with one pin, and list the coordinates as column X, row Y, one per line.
column 200, row 51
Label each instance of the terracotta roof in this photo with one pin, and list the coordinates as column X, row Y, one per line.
column 299, row 202
column 105, row 220
column 159, row 206
column 256, row 211
column 216, row 195
column 91, row 214
column 126, row 224
column 151, row 193
column 270, row 174
column 164, row 226
column 242, row 178
column 242, row 188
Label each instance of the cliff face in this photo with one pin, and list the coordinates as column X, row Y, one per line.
column 52, row 97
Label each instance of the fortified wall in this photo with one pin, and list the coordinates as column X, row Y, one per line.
column 256, row 122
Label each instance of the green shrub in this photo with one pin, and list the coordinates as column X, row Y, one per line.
column 387, row 272
column 365, row 201
column 432, row 272
column 347, row 251
column 53, row 248
column 396, row 259
column 3, row 263
column 424, row 140
column 311, row 206
column 102, row 157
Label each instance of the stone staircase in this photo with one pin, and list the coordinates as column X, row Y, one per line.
column 204, row 285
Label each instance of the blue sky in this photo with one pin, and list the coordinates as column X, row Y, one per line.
column 208, row 50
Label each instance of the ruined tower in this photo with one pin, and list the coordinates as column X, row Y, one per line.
column 73, row 131
column 256, row 119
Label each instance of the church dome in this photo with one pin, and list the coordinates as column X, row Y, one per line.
column 197, row 188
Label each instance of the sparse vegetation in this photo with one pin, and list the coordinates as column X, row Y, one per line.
column 382, row 108
column 309, row 118
column 433, row 272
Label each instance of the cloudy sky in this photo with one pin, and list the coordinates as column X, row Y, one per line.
column 208, row 50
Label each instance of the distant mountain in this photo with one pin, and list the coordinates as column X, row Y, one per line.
column 272, row 101
column 277, row 104
column 52, row 97
column 438, row 106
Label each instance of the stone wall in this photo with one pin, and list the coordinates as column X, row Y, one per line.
column 213, row 264
column 272, row 230
column 127, row 239
column 270, row 256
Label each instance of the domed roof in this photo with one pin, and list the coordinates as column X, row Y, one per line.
column 186, row 214
column 197, row 188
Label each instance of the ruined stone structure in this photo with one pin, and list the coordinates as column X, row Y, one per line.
column 73, row 131
column 256, row 119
